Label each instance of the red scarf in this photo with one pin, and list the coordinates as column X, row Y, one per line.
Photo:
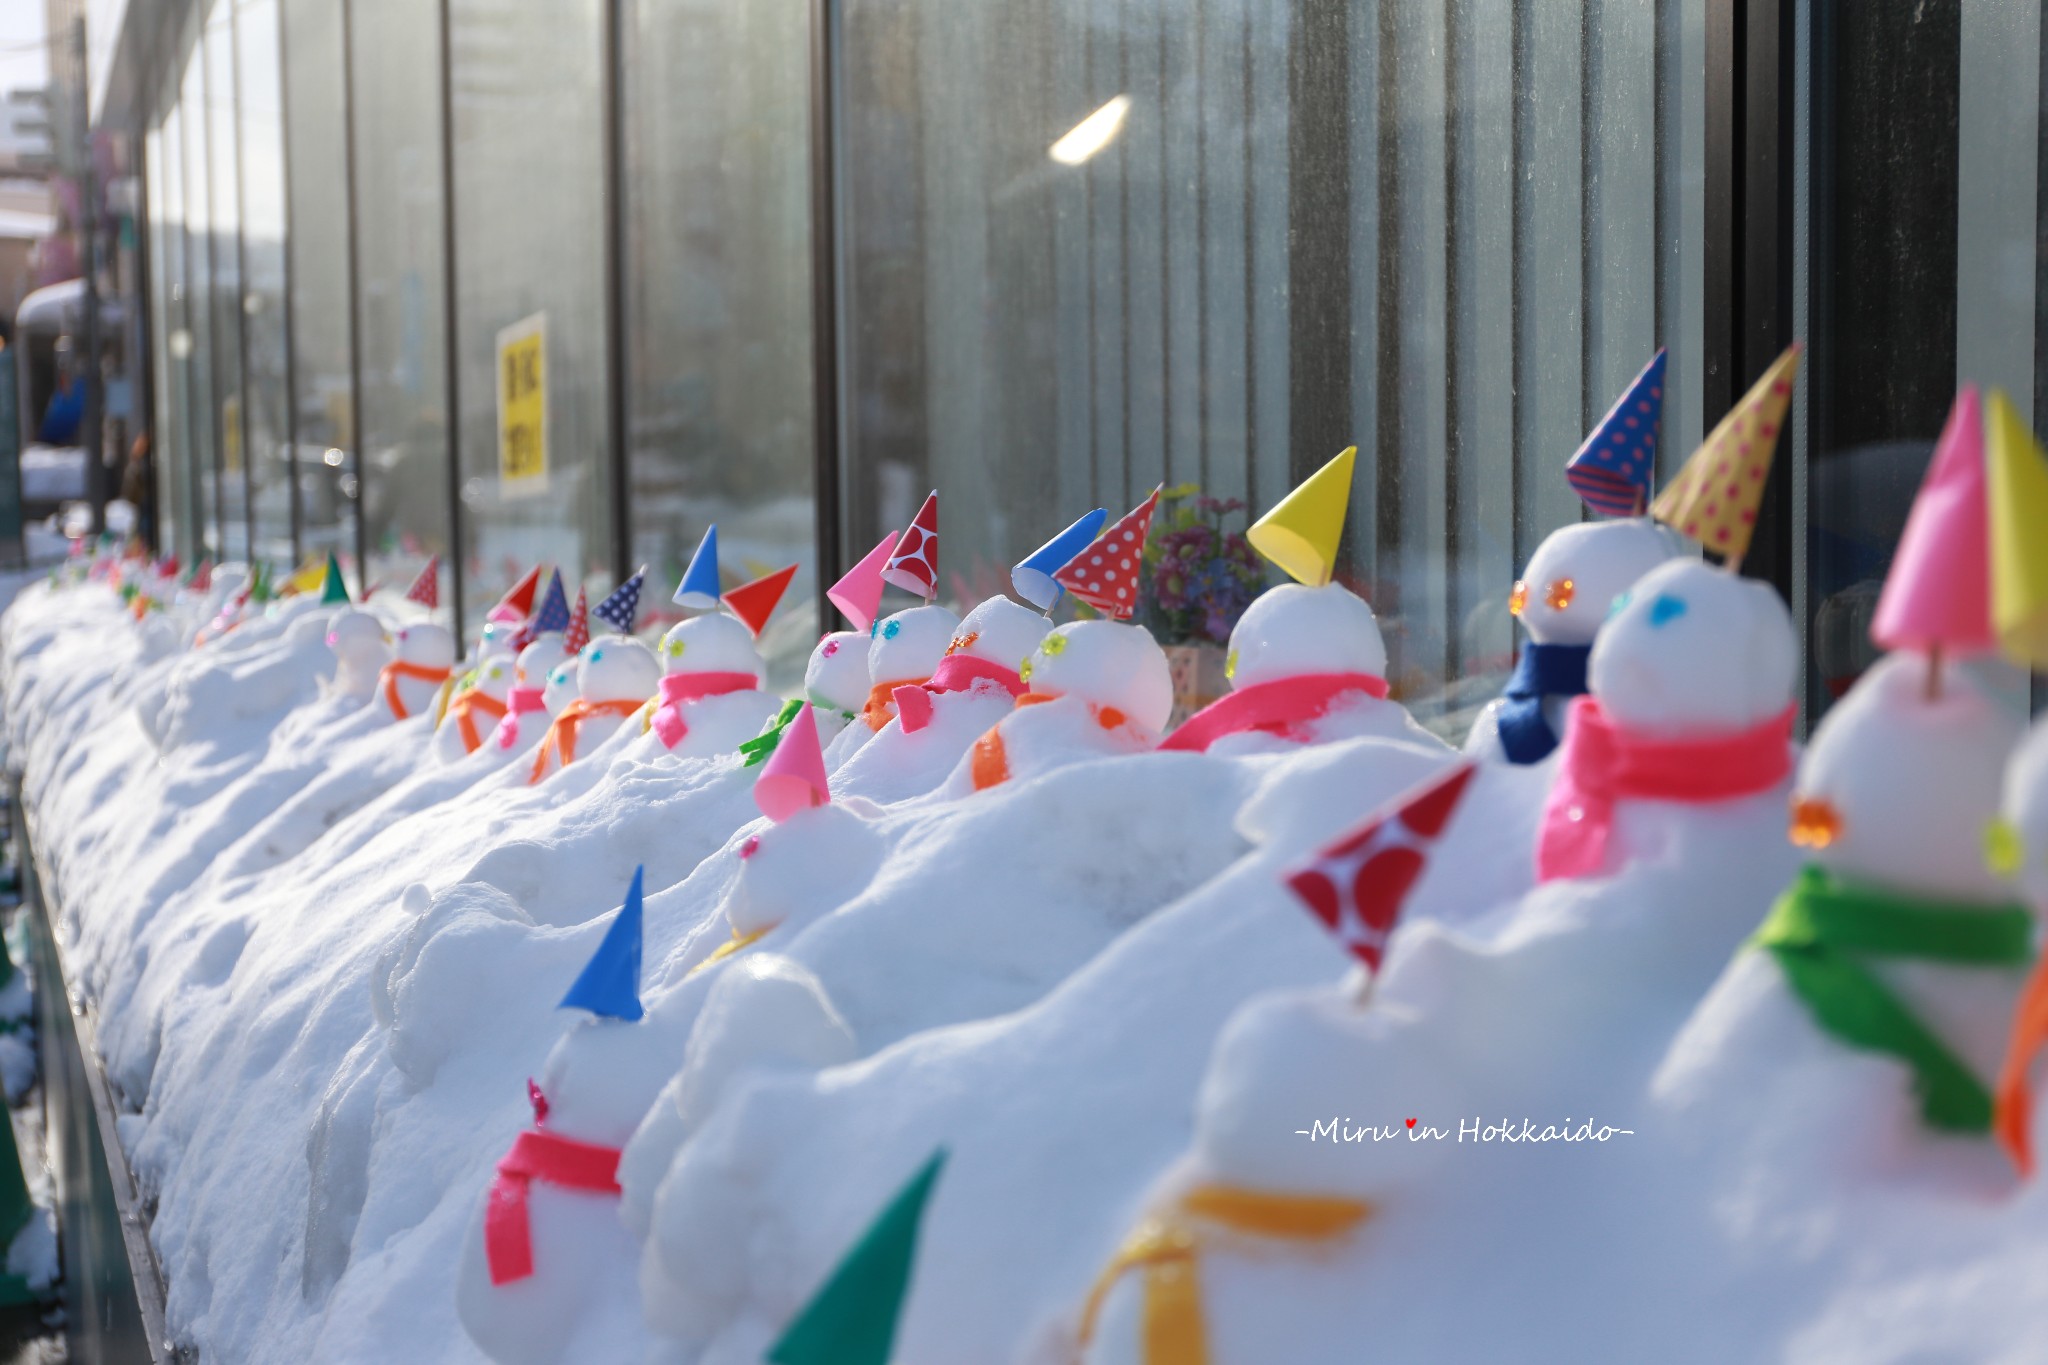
column 475, row 699
column 677, row 688
column 520, row 701
column 508, row 1232
column 1601, row 763
column 1283, row 707
column 398, row 668
column 955, row 673
column 561, row 736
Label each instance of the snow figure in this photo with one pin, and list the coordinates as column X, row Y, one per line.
column 2017, row 844
column 425, row 658
column 902, row 651
column 1305, row 664
column 1097, row 687
column 836, row 686
column 1562, row 600
column 615, row 677
column 983, row 658
column 361, row 648
column 1690, row 705
column 475, row 712
column 529, row 707
column 710, row 693
column 497, row 639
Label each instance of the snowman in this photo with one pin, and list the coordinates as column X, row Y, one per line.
column 1562, row 600
column 984, row 658
column 614, row 678
column 709, row 696
column 902, row 651
column 2018, row 845
column 425, row 657
column 1097, row 687
column 836, row 686
column 536, row 695
column 361, row 649
column 474, row 713
column 1306, row 664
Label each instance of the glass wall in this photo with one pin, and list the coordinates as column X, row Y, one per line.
column 316, row 152
column 224, row 240
column 400, row 285
column 200, row 393
column 265, row 415
column 718, row 246
column 529, row 210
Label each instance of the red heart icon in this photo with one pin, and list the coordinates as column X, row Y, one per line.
column 1411, row 1123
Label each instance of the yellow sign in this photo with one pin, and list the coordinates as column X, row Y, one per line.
column 231, row 432
column 523, row 408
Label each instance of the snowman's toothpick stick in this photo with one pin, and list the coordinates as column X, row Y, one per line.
column 1934, row 671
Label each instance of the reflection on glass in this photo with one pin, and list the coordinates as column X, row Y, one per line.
column 263, row 314
column 230, row 397
column 719, row 315
column 173, row 453
column 318, row 243
column 529, row 262
column 199, row 390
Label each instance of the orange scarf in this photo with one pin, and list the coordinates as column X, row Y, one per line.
column 991, row 765
column 398, row 668
column 880, row 708
column 475, row 699
column 561, row 736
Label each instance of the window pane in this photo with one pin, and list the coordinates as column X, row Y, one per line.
column 400, row 285
column 529, row 260
column 199, row 301
column 319, row 276
column 169, row 340
column 718, row 224
column 1449, row 234
column 224, row 179
column 263, row 312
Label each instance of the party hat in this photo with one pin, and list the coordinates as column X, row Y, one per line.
column 2019, row 552
column 517, row 604
column 1105, row 573
column 1301, row 533
column 755, row 602
column 1938, row 593
column 851, row 1320
column 793, row 778
column 333, row 589
column 426, row 589
column 202, row 576
column 1612, row 470
column 554, row 607
column 579, row 624
column 858, row 593
column 1356, row 886
column 610, row 984
column 1714, row 498
column 1033, row 577
column 308, row 576
column 914, row 564
column 700, row 581
column 621, row 610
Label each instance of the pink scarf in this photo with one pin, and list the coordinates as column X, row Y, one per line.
column 1283, row 707
column 677, row 688
column 508, row 1231
column 519, row 701
column 1600, row 763
column 955, row 673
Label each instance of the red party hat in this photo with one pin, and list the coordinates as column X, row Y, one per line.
column 914, row 563
column 579, row 625
column 517, row 604
column 1105, row 575
column 426, row 589
column 755, row 602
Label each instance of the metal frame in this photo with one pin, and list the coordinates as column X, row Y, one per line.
column 826, row 311
column 355, row 331
column 451, row 354
column 247, row 404
column 295, row 499
column 619, row 471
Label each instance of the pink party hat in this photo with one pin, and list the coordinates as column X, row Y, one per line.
column 1938, row 593
column 793, row 778
column 859, row 592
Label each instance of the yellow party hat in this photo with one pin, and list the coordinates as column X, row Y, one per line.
column 2017, row 488
column 1714, row 498
column 309, row 577
column 1301, row 533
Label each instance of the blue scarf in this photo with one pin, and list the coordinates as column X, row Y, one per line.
column 1543, row 670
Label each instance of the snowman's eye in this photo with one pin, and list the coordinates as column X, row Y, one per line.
column 831, row 648
column 1024, row 671
column 892, row 630
column 1054, row 644
column 1518, row 599
column 675, row 649
column 1664, row 609
column 596, row 654
column 1230, row 665
column 1614, row 608
column 2005, row 852
column 1559, row 594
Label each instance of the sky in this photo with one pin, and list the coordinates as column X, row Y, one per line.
column 22, row 60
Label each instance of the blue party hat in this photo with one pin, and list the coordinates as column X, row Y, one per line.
column 701, row 588
column 554, row 607
column 621, row 610
column 610, row 984
column 1033, row 578
column 1612, row 469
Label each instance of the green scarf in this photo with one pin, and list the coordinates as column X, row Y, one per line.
column 760, row 746
column 1818, row 929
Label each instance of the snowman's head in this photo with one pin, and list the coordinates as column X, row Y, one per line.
column 811, row 863
column 228, row 579
column 1295, row 629
column 356, row 637
column 712, row 643
column 560, row 688
column 838, row 671
column 497, row 638
column 428, row 644
column 597, row 1079
column 1000, row 631
column 1108, row 663
column 542, row 656
column 617, row 668
column 494, row 677
column 1576, row 573
column 910, row 644
column 2020, row 847
column 1693, row 651
column 1900, row 790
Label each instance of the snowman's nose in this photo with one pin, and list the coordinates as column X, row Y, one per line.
column 1815, row 822
column 1518, row 599
column 1558, row 595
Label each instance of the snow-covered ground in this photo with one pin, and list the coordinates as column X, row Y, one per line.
column 327, row 964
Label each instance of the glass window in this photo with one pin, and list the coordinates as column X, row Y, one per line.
column 717, row 150
column 199, row 391
column 225, row 221
column 400, row 295
column 170, row 340
column 1091, row 249
column 263, row 280
column 530, row 290
column 323, row 437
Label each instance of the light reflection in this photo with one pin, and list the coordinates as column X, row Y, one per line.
column 1093, row 133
